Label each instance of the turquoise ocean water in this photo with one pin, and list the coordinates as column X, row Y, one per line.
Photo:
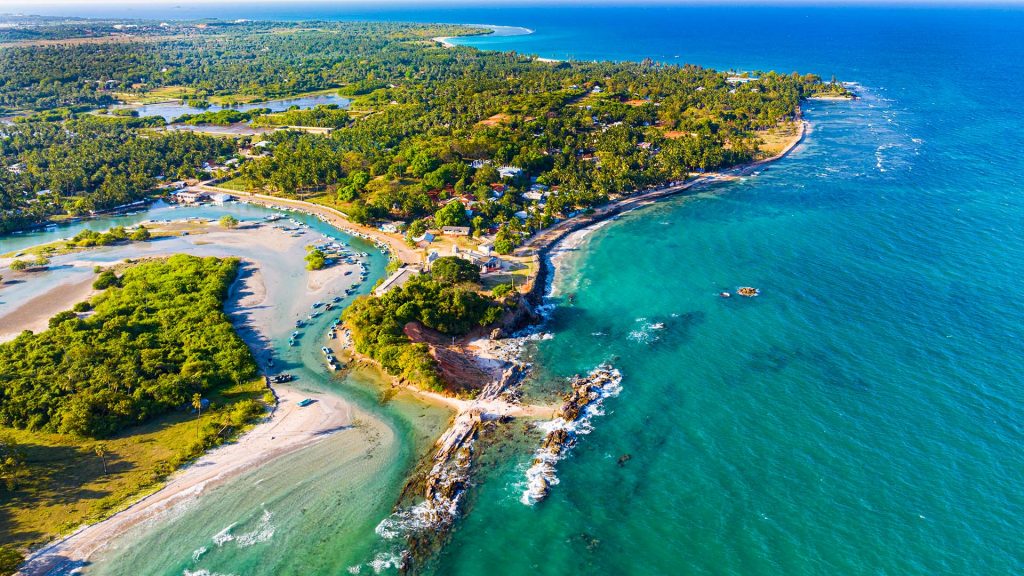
column 863, row 415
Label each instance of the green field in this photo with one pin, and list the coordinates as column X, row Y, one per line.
column 67, row 483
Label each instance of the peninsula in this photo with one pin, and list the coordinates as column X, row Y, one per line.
column 466, row 167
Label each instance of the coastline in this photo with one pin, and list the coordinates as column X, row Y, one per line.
column 444, row 41
column 285, row 429
column 303, row 427
column 547, row 248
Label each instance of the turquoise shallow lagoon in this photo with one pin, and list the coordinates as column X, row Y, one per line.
column 862, row 416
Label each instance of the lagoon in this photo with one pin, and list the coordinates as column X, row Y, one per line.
column 175, row 109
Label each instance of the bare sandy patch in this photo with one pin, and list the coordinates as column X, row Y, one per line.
column 35, row 314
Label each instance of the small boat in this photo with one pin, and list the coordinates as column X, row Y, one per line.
column 317, row 305
column 305, row 402
column 296, row 334
column 748, row 291
column 658, row 326
column 325, row 350
column 725, row 295
column 299, row 323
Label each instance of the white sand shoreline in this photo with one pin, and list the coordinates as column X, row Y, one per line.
column 286, row 429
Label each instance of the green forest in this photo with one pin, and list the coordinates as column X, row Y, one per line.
column 156, row 336
column 446, row 300
column 427, row 124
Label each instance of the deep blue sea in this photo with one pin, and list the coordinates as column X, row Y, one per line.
column 865, row 414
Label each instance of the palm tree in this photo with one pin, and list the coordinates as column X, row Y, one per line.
column 101, row 451
column 197, row 403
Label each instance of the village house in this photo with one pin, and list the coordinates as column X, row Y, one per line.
column 486, row 262
column 189, row 196
column 455, row 230
column 390, row 226
column 434, row 255
column 423, row 241
column 398, row 279
column 509, row 171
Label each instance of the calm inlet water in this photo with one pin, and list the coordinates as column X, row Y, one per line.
column 862, row 416
column 171, row 110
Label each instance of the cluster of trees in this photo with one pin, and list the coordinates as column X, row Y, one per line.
column 264, row 59
column 221, row 117
column 91, row 163
column 446, row 299
column 320, row 116
column 587, row 130
column 315, row 259
column 157, row 336
column 88, row 238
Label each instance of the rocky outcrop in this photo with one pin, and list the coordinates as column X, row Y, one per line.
column 582, row 402
column 426, row 525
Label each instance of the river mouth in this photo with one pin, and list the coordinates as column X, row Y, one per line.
column 338, row 487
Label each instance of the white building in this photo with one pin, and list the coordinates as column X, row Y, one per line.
column 509, row 171
column 455, row 230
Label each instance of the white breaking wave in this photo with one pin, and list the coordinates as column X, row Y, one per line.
column 645, row 333
column 263, row 532
column 384, row 561
column 542, row 474
column 198, row 553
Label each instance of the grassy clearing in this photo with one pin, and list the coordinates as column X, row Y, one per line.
column 520, row 275
column 238, row 184
column 159, row 94
column 775, row 140
column 70, row 482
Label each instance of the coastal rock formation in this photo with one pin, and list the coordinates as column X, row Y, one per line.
column 426, row 525
column 582, row 402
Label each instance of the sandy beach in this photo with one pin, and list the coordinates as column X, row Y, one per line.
column 256, row 303
column 286, row 430
column 395, row 243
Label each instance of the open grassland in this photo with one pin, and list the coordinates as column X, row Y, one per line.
column 70, row 481
column 775, row 140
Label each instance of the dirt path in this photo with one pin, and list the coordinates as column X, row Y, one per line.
column 335, row 217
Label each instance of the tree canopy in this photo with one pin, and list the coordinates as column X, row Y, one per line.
column 157, row 335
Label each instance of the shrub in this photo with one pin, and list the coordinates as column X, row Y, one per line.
column 106, row 279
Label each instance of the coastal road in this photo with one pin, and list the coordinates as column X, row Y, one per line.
column 335, row 217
